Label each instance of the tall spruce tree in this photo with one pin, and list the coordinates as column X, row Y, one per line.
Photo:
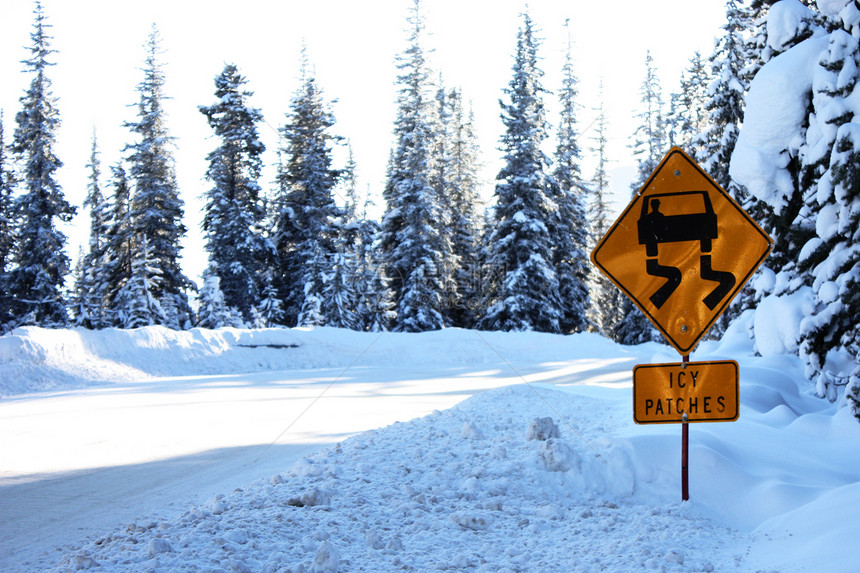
column 808, row 180
column 306, row 225
column 412, row 240
column 90, row 297
column 525, row 292
column 690, row 117
column 7, row 240
column 650, row 143
column 789, row 213
column 465, row 228
column 606, row 299
column 441, row 180
column 7, row 229
column 650, row 140
column 36, row 281
column 725, row 104
column 832, row 258
column 235, row 210
column 156, row 208
column 119, row 244
column 569, row 226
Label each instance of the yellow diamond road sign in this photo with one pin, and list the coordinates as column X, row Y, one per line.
column 682, row 250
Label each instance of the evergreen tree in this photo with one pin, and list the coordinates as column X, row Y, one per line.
column 137, row 300
column 269, row 311
column 789, row 218
column 649, row 145
column 725, row 104
column 831, row 259
column 41, row 264
column 465, row 228
column 156, row 208
column 90, row 298
column 234, row 207
column 412, row 241
column 606, row 298
column 525, row 295
column 306, row 225
column 119, row 245
column 690, row 118
column 569, row 228
column 441, row 180
column 7, row 229
column 372, row 297
column 650, row 141
column 810, row 187
column 214, row 312
column 339, row 296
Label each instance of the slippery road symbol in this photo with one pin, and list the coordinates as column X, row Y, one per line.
column 656, row 228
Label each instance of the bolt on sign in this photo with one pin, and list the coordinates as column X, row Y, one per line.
column 682, row 250
column 703, row 391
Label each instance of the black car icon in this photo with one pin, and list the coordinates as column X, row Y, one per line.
column 686, row 216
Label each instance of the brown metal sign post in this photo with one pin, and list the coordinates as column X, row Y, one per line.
column 685, row 450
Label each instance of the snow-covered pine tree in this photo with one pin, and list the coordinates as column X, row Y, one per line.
column 569, row 226
column 441, row 180
column 90, row 298
column 306, row 219
column 725, row 103
column 235, row 210
column 214, row 312
column 808, row 179
column 412, row 240
column 605, row 297
column 782, row 205
column 139, row 306
column 339, row 294
column 465, row 228
column 156, row 207
column 372, row 297
column 376, row 300
column 119, row 244
column 342, row 285
column 269, row 312
column 525, row 295
column 832, row 258
column 650, row 143
column 7, row 229
column 36, row 281
column 650, row 140
column 690, row 117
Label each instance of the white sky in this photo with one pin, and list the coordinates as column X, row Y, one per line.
column 352, row 45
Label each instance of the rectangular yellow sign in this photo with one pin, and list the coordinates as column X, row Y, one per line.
column 704, row 391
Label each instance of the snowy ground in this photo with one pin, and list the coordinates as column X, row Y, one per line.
column 230, row 450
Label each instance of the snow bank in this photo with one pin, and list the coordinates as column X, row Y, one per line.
column 494, row 485
column 35, row 359
column 777, row 321
column 421, row 496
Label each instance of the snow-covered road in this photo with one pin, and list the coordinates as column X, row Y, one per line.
column 81, row 462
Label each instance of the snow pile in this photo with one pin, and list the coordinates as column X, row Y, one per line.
column 35, row 359
column 428, row 496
